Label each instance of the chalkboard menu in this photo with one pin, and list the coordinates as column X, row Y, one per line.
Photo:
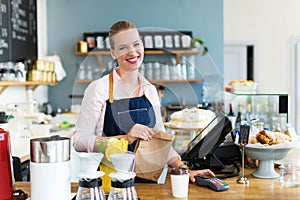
column 18, row 34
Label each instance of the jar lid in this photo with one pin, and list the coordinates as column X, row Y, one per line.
column 125, row 184
column 90, row 183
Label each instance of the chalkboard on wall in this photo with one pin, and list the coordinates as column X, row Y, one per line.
column 18, row 37
column 4, row 37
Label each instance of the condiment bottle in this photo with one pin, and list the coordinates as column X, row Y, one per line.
column 231, row 115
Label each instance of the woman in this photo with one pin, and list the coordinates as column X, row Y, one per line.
column 123, row 104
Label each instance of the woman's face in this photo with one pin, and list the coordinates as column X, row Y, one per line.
column 128, row 49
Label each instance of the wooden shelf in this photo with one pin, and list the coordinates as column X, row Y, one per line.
column 29, row 84
column 177, row 81
column 94, row 53
column 83, row 81
column 175, row 52
column 156, row 81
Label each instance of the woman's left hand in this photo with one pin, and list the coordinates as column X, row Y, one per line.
column 206, row 173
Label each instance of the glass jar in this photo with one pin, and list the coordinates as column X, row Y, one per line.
column 156, row 70
column 290, row 175
column 81, row 72
column 89, row 73
column 165, row 72
column 149, row 71
column 122, row 190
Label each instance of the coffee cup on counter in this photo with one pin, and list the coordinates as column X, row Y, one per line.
column 180, row 182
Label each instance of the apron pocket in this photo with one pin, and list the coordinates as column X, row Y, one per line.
column 127, row 119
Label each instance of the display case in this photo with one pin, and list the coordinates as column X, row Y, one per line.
column 269, row 111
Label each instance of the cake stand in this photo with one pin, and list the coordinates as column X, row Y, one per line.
column 266, row 157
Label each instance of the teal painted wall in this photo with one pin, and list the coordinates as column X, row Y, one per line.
column 69, row 19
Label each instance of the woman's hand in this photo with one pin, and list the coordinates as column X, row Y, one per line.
column 206, row 173
column 139, row 131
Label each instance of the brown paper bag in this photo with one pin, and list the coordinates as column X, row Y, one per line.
column 152, row 155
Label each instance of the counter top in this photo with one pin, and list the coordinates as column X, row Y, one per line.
column 257, row 189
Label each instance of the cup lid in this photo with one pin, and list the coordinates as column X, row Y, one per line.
column 179, row 171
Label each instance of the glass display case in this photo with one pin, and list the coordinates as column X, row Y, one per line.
column 269, row 111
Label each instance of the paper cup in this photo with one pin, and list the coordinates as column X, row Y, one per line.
column 180, row 185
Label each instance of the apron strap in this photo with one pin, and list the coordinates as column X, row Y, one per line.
column 111, row 88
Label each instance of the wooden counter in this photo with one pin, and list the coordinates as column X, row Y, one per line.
column 257, row 189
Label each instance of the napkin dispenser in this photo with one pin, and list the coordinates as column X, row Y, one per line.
column 50, row 173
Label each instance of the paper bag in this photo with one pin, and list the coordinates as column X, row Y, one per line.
column 152, row 155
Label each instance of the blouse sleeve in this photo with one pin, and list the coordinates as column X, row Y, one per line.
column 89, row 116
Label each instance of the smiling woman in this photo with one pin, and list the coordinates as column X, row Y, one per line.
column 129, row 108
column 126, row 46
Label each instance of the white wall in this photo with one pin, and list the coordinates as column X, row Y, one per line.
column 273, row 25
column 18, row 94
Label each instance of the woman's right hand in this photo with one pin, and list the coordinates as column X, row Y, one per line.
column 139, row 131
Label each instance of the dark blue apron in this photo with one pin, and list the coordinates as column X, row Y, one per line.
column 122, row 114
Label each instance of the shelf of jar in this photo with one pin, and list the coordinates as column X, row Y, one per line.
column 148, row 52
column 177, row 54
column 29, row 84
column 156, row 81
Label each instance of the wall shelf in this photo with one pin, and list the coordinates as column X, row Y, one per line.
column 177, row 53
column 176, row 81
column 148, row 52
column 83, row 81
column 29, row 84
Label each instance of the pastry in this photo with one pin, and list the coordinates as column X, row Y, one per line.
column 271, row 138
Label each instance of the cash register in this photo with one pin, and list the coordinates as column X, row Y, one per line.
column 213, row 148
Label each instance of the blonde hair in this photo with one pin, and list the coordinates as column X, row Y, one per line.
column 118, row 27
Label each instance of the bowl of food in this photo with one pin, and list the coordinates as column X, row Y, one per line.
column 270, row 146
